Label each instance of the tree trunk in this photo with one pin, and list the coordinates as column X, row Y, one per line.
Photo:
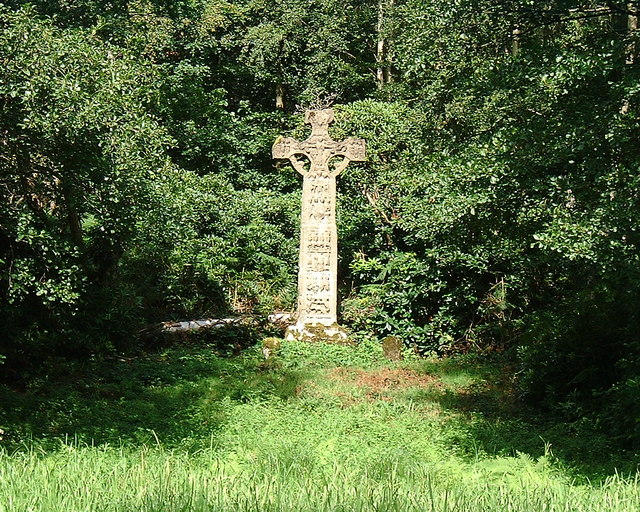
column 380, row 46
column 280, row 96
column 515, row 41
column 73, row 219
column 383, row 60
column 632, row 27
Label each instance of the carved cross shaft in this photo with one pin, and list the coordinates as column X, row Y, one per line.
column 318, row 263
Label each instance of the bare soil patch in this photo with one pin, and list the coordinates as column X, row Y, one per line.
column 379, row 382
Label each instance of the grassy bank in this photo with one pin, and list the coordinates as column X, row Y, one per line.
column 315, row 428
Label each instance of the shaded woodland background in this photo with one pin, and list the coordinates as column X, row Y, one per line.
column 498, row 209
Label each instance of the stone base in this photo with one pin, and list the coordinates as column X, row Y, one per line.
column 317, row 332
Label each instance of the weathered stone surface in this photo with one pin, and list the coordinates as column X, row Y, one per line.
column 317, row 332
column 270, row 346
column 392, row 348
column 318, row 262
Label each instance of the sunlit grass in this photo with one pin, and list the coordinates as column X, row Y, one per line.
column 293, row 478
column 317, row 428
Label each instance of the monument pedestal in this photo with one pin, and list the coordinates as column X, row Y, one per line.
column 317, row 332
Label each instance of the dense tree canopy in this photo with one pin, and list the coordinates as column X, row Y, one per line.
column 498, row 208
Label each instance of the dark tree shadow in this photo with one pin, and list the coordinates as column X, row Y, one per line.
column 498, row 423
column 178, row 397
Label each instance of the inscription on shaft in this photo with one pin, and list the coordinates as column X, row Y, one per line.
column 318, row 263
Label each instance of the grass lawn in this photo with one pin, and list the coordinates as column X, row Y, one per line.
column 317, row 428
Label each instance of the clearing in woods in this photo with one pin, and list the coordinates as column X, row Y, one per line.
column 317, row 428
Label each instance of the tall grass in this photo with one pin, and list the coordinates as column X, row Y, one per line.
column 156, row 480
column 289, row 434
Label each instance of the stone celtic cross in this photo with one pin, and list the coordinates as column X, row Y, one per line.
column 318, row 263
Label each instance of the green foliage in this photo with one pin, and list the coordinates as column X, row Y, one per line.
column 509, row 211
column 211, row 247
column 497, row 209
column 79, row 158
column 440, row 276
column 310, row 49
column 112, row 218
